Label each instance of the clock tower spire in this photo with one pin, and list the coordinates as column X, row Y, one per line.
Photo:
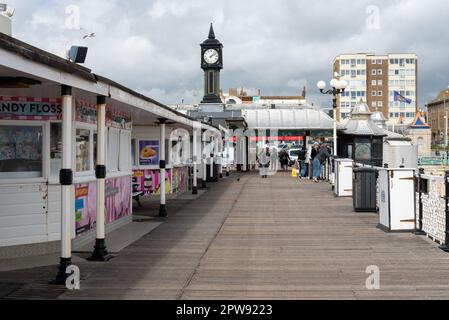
column 211, row 63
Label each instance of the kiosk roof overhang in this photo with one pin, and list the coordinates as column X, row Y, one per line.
column 21, row 59
column 288, row 119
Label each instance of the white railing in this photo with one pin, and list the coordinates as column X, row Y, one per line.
column 431, row 207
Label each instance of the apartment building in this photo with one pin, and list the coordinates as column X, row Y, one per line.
column 375, row 79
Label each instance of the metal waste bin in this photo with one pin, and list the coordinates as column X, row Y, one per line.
column 365, row 190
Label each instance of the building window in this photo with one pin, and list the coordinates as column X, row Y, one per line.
column 379, row 82
column 380, row 104
column 21, row 152
column 83, row 150
column 113, row 149
column 373, row 93
column 125, row 162
column 55, row 149
column 379, row 72
column 374, row 72
column 379, row 94
column 374, row 82
column 379, row 61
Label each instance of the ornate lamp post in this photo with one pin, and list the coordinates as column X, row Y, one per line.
column 338, row 87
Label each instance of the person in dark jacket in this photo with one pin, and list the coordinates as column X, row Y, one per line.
column 319, row 161
column 302, row 162
column 284, row 159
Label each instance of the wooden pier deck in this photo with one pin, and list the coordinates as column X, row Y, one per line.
column 276, row 238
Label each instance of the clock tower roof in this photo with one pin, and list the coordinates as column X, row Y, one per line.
column 211, row 40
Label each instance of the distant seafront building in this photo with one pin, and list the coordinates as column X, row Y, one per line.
column 235, row 96
column 436, row 110
column 389, row 83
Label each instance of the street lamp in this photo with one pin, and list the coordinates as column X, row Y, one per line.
column 338, row 87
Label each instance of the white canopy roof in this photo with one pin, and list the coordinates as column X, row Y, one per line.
column 288, row 119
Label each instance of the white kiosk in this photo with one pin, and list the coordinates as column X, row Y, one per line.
column 343, row 177
column 397, row 202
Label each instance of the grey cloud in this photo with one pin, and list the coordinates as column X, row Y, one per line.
column 153, row 46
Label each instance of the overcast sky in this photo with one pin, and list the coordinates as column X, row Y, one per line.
column 279, row 46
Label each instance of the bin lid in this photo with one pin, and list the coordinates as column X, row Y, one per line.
column 365, row 169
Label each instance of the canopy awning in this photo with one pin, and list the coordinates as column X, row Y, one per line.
column 288, row 119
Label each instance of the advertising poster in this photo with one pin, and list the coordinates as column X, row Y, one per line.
column 85, row 207
column 85, row 112
column 118, row 203
column 168, row 182
column 118, row 119
column 118, row 198
column 148, row 181
column 180, row 180
column 148, row 153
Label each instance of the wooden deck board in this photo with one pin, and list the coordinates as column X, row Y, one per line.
column 278, row 238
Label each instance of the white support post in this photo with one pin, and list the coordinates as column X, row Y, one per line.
column 162, row 166
column 66, row 181
column 245, row 158
column 335, row 133
column 212, row 151
column 220, row 159
column 100, row 253
column 195, row 160
column 227, row 157
column 204, row 162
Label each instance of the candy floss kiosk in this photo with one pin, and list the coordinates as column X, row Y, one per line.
column 30, row 161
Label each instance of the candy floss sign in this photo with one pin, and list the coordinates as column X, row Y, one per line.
column 29, row 108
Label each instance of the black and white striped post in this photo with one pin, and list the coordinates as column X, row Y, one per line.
column 195, row 159
column 162, row 166
column 66, row 181
column 100, row 252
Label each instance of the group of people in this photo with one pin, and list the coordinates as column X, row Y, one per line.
column 310, row 160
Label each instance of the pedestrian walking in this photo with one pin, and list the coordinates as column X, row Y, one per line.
column 264, row 162
column 274, row 159
column 284, row 159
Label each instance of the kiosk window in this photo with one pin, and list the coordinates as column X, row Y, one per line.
column 55, row 148
column 21, row 151
column 125, row 158
column 83, row 161
column 113, row 150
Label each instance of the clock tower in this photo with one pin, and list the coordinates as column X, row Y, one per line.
column 211, row 63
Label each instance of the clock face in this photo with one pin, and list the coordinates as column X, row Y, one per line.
column 211, row 56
